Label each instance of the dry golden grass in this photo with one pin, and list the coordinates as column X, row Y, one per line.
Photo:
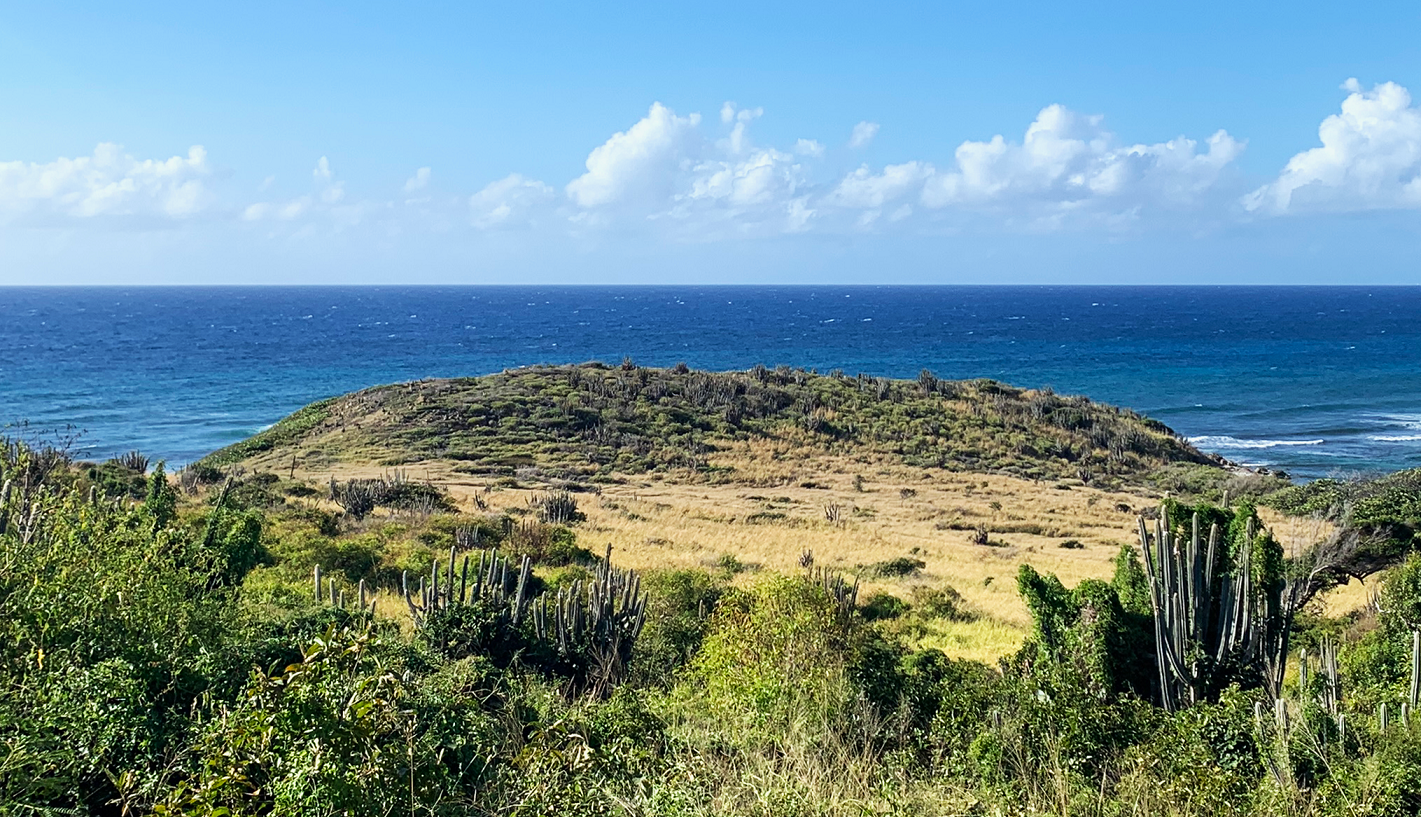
column 775, row 510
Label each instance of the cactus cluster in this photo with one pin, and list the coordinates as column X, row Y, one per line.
column 1408, row 707
column 1208, row 612
column 843, row 594
column 556, row 507
column 326, row 591
column 604, row 617
column 22, row 511
column 490, row 583
column 596, row 621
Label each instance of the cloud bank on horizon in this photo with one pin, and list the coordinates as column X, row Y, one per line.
column 688, row 178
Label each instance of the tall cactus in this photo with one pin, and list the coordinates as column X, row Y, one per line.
column 1415, row 691
column 491, row 584
column 1208, row 611
column 602, row 619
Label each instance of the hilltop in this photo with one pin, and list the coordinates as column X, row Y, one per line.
column 594, row 422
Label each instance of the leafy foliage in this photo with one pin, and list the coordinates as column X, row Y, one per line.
column 163, row 654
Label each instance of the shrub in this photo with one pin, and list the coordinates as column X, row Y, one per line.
column 344, row 696
column 882, row 606
column 1205, row 759
column 680, row 604
column 942, row 602
column 775, row 652
column 115, row 480
column 1379, row 665
column 550, row 545
column 897, row 568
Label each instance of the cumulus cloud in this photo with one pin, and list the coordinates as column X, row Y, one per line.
column 738, row 140
column 1066, row 164
column 1370, row 158
column 288, row 210
column 639, row 165
column 328, row 193
column 512, row 201
column 1069, row 160
column 863, row 133
column 418, row 181
column 664, row 169
column 109, row 183
column 866, row 189
column 677, row 175
column 764, row 176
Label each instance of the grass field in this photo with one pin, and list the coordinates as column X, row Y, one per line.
column 851, row 516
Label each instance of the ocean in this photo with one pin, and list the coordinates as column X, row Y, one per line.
column 1316, row 381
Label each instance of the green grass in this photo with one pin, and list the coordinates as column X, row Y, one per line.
column 591, row 421
column 286, row 432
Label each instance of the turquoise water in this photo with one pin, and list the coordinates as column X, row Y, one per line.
column 1315, row 380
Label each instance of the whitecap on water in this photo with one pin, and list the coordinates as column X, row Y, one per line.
column 1237, row 444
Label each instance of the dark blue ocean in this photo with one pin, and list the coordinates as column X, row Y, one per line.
column 1314, row 380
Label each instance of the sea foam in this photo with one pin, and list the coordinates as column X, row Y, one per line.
column 1235, row 443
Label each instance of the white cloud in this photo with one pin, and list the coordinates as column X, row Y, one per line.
column 281, row 211
column 108, row 183
column 738, row 140
column 676, row 177
column 1068, row 162
column 763, row 177
column 418, row 181
column 509, row 202
column 866, row 189
column 1370, row 158
column 327, row 199
column 810, row 148
column 863, row 134
column 639, row 165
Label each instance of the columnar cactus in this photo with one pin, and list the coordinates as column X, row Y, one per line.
column 1208, row 611
column 597, row 621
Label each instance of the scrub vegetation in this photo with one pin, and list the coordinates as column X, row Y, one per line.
column 597, row 422
column 695, row 616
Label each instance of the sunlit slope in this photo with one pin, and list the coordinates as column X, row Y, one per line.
column 593, row 422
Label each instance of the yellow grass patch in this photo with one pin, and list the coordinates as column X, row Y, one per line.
column 782, row 504
column 780, row 500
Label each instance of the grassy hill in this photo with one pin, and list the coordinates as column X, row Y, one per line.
column 592, row 421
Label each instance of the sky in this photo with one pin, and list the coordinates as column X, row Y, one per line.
column 661, row 143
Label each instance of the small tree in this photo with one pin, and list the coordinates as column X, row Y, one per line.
column 162, row 501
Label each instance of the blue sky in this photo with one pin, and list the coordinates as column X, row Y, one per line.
column 733, row 142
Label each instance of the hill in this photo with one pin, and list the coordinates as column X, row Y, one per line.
column 593, row 422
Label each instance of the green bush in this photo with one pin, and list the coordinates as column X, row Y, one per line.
column 331, row 733
column 1203, row 760
column 883, row 606
column 776, row 651
column 680, row 604
column 1378, row 666
column 942, row 602
column 896, row 568
column 113, row 626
